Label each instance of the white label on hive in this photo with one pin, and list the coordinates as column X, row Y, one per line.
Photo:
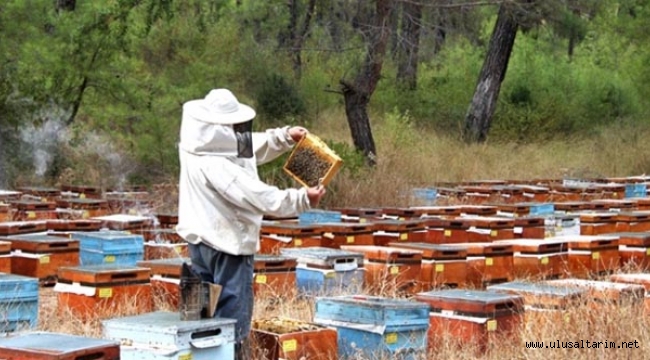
column 105, row 292
column 289, row 345
column 391, row 338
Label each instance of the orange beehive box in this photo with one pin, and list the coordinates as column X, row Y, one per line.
column 73, row 225
column 482, row 210
column 161, row 235
column 337, row 234
column 274, row 275
column 616, row 205
column 591, row 255
column 86, row 208
column 538, row 194
column 386, row 231
column 538, row 258
column 359, row 215
column 101, row 291
column 5, row 212
column 481, row 194
column 290, row 339
column 160, row 250
column 633, row 221
column 389, row 268
column 5, row 257
column 488, row 263
column 283, row 234
column 40, row 255
column 486, row 229
column 25, row 210
column 82, row 191
column 22, row 227
column 441, row 211
column 633, row 249
column 125, row 222
column 597, row 223
column 475, row 317
column 312, row 162
column 167, row 220
column 447, row 231
column 571, row 206
column 401, row 213
column 442, row 265
column 530, row 228
column 165, row 280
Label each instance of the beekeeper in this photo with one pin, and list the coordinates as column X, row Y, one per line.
column 222, row 199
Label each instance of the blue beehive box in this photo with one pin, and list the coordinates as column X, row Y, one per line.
column 325, row 271
column 376, row 327
column 319, row 216
column 109, row 247
column 541, row 209
column 636, row 190
column 425, row 196
column 18, row 302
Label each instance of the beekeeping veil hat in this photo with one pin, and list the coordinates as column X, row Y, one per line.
column 217, row 125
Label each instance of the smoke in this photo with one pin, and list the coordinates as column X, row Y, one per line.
column 44, row 135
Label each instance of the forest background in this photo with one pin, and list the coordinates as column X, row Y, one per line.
column 409, row 93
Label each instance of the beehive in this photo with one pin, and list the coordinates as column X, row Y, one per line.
column 53, row 346
column 165, row 280
column 18, row 302
column 591, row 255
column 275, row 235
column 538, row 258
column 326, row 271
column 22, row 227
column 312, row 162
column 488, row 263
column 294, row 340
column 634, row 249
column 274, row 275
column 40, row 255
column 5, row 257
column 103, row 290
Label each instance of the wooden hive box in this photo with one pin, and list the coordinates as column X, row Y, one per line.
column 633, row 249
column 488, row 263
column 19, row 303
column 165, row 280
column 6, row 196
column 401, row 213
column 606, row 292
column 324, row 271
column 125, row 222
column 438, row 211
column 337, row 234
column 481, row 194
column 5, row 256
column 43, row 193
column 73, row 225
column 289, row 339
column 481, row 210
column 22, row 227
column 25, row 210
column 57, row 346
column 632, row 221
column 82, row 191
column 127, row 202
column 448, row 231
column 154, row 250
column 40, row 255
column 591, row 255
column 538, row 194
column 387, row 231
column 87, row 208
column 642, row 279
column 538, row 258
column 275, row 235
column 359, row 214
column 571, row 206
column 442, row 265
column 389, row 269
column 167, row 220
column 529, row 227
column 312, row 162
column 474, row 317
column 5, row 213
column 487, row 229
column 597, row 223
column 274, row 275
column 101, row 291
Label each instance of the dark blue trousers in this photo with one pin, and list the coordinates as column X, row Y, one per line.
column 235, row 274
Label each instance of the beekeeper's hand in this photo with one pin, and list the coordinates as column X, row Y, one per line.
column 315, row 194
column 297, row 133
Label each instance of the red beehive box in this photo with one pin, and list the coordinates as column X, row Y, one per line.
column 390, row 269
column 633, row 249
column 294, row 340
column 359, row 215
column 161, row 235
column 161, row 250
column 22, row 227
column 571, row 206
column 167, row 220
column 5, row 257
column 401, row 213
column 33, row 210
column 481, row 210
column 84, row 208
column 165, row 280
column 7, row 196
column 530, row 228
column 40, row 255
column 481, row 194
column 127, row 202
column 486, row 229
column 538, row 258
column 597, row 223
column 338, row 234
column 44, row 194
column 633, row 221
column 101, row 291
column 55, row 346
column 591, row 255
column 442, row 265
column 438, row 211
column 474, row 317
column 274, row 275
column 387, row 231
column 616, row 205
column 81, row 191
column 73, row 225
column 488, row 263
column 5, row 213
column 280, row 234
column 535, row 193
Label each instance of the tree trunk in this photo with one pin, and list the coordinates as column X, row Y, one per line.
column 298, row 36
column 357, row 95
column 479, row 114
column 407, row 66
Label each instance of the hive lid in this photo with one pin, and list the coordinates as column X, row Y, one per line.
column 54, row 342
